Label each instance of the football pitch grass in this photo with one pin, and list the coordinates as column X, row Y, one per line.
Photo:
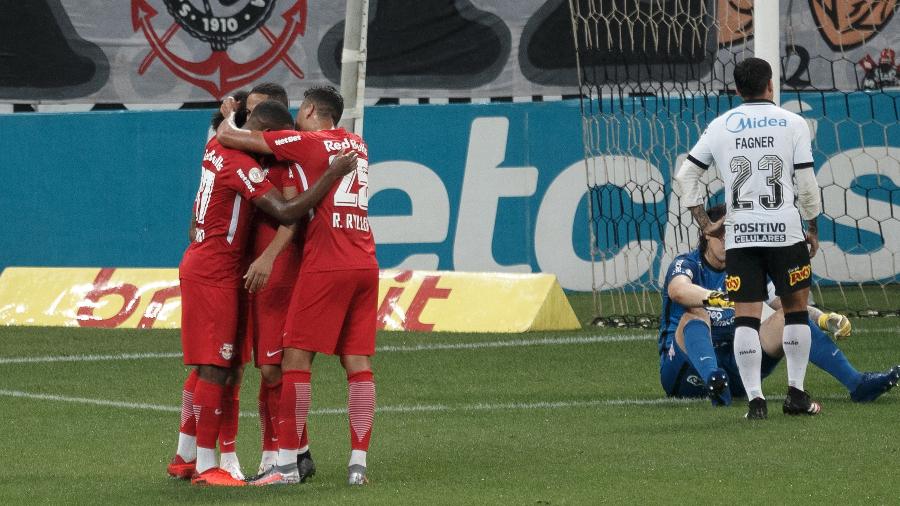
column 540, row 418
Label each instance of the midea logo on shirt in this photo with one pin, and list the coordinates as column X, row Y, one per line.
column 738, row 122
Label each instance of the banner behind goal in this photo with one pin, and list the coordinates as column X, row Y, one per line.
column 653, row 74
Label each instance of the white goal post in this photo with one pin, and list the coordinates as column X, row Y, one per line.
column 353, row 64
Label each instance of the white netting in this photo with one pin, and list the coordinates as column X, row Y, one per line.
column 654, row 73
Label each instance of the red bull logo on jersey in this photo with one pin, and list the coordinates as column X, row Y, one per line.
column 733, row 283
column 227, row 351
column 346, row 144
column 217, row 161
column 798, row 274
column 739, row 121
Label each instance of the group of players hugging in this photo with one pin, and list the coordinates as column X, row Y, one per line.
column 281, row 266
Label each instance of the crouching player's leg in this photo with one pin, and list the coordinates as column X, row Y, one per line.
column 690, row 368
column 824, row 354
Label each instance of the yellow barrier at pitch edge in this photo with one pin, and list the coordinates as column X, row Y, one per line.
column 90, row 297
column 472, row 302
column 408, row 300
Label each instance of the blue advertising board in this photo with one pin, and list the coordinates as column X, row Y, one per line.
column 492, row 187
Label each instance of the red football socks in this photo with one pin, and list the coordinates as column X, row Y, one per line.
column 231, row 410
column 268, row 414
column 304, row 437
column 361, row 408
column 188, row 423
column 208, row 412
column 296, row 396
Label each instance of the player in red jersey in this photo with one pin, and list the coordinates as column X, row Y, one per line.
column 258, row 273
column 333, row 306
column 275, row 261
column 182, row 465
column 210, row 274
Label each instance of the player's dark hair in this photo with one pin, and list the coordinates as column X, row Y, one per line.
column 751, row 77
column 715, row 213
column 240, row 114
column 272, row 90
column 327, row 100
column 272, row 115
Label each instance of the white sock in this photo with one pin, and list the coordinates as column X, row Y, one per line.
column 748, row 355
column 268, row 458
column 206, row 459
column 227, row 459
column 357, row 457
column 229, row 462
column 286, row 457
column 797, row 341
column 187, row 447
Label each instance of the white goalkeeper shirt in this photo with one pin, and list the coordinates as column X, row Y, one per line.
column 757, row 146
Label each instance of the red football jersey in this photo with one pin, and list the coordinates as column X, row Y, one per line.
column 287, row 264
column 229, row 180
column 338, row 235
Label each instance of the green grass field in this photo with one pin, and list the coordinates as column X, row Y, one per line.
column 541, row 418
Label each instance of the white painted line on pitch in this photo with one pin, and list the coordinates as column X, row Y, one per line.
column 516, row 406
column 414, row 408
column 874, row 331
column 85, row 358
column 552, row 341
column 84, row 400
column 514, row 343
column 510, row 343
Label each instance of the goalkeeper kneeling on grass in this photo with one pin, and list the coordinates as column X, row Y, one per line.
column 696, row 335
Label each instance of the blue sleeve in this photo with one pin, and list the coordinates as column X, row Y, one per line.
column 683, row 266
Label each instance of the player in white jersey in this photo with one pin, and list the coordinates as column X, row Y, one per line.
column 761, row 151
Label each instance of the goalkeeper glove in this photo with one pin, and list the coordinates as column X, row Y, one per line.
column 837, row 324
column 717, row 299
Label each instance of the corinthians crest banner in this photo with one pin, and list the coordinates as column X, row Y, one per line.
column 177, row 51
column 231, row 22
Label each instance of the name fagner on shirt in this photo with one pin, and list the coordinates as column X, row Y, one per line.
column 757, row 146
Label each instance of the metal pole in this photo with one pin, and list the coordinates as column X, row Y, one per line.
column 353, row 64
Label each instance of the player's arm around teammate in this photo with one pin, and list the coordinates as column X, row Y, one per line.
column 210, row 282
column 285, row 211
column 261, row 268
column 332, row 310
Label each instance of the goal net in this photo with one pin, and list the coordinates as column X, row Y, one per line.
column 654, row 73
